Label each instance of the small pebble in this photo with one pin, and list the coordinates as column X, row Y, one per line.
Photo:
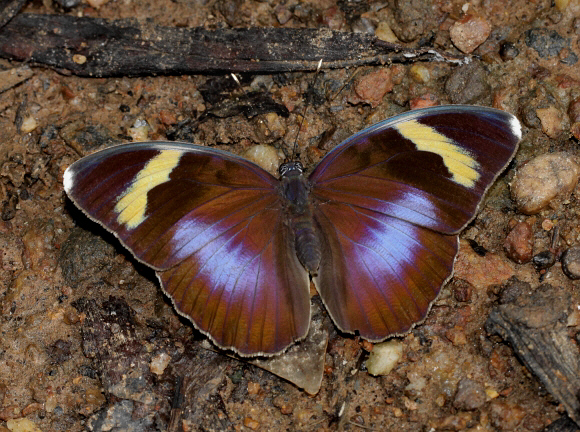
column 253, row 388
column 549, row 43
column 68, row 4
column 462, row 290
column 22, row 425
column 470, row 395
column 544, row 260
column 398, row 73
column 333, row 18
column 265, row 156
column 167, row 117
column 555, row 16
column 513, row 291
column 467, row 83
column 420, row 73
column 456, row 335
column 469, row 33
column 384, row 357
column 491, row 393
column 303, row 415
column 363, row 25
column 34, row 355
column 571, row 262
column 575, row 130
column 97, row 3
column 367, row 346
column 479, row 271
column 139, row 131
column 542, row 179
column 50, row 404
column 417, row 383
column 385, row 33
column 372, row 87
column 561, row 4
column 272, row 126
column 283, row 14
column 574, row 317
column 9, row 412
column 94, row 396
column 552, row 121
column 71, row 316
column 67, row 93
column 249, row 422
column 547, row 225
column 519, row 243
column 159, row 363
column 28, row 124
column 283, row 404
column 79, row 59
column 456, row 422
column 506, row 416
column 32, row 407
column 424, row 101
column 409, row 404
column 574, row 110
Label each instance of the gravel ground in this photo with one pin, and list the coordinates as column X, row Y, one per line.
column 89, row 342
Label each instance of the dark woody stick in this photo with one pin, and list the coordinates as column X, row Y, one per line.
column 102, row 48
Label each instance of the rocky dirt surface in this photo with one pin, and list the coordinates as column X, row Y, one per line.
column 89, row 342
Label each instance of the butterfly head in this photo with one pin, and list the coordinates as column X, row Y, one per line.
column 288, row 169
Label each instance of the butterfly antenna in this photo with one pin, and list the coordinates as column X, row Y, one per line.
column 247, row 96
column 237, row 80
column 295, row 146
column 347, row 82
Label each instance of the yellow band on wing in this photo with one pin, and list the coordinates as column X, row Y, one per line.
column 459, row 162
column 132, row 204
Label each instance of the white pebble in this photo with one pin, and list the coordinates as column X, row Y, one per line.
column 22, row 425
column 159, row 363
column 265, row 156
column 28, row 124
column 384, row 357
column 543, row 179
column 139, row 131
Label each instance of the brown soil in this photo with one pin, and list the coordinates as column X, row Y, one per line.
column 82, row 322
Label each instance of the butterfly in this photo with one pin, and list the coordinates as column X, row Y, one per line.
column 375, row 224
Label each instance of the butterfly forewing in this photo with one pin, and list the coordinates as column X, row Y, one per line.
column 429, row 167
column 210, row 223
column 388, row 203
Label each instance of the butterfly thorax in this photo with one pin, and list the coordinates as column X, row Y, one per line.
column 295, row 190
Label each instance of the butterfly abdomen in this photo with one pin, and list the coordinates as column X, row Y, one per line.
column 306, row 242
column 296, row 190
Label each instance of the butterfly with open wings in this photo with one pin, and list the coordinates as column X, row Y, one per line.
column 375, row 224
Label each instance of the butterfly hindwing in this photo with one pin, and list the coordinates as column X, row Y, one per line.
column 256, row 303
column 379, row 274
column 389, row 202
column 211, row 225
